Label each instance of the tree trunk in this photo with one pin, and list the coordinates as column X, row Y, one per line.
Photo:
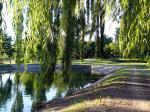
column 102, row 27
column 97, row 52
column 10, row 60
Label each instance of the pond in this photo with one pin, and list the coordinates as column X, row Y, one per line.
column 19, row 92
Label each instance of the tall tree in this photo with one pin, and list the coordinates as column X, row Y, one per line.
column 8, row 48
column 82, row 33
column 44, row 31
column 43, row 20
column 100, row 27
column 134, row 39
column 68, row 7
column 1, row 32
column 18, row 28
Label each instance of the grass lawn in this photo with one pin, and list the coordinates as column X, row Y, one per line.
column 110, row 62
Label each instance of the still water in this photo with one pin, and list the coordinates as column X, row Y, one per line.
column 19, row 92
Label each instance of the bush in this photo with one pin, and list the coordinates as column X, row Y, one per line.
column 111, row 50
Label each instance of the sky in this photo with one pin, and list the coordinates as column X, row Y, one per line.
column 110, row 29
column 110, row 25
column 7, row 19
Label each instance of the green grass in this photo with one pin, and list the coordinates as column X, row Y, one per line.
column 93, row 62
column 121, row 76
column 83, row 105
column 110, row 62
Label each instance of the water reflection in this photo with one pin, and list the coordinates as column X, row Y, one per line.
column 18, row 103
column 5, row 90
column 23, row 91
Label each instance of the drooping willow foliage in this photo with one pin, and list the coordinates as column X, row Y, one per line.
column 46, row 21
column 43, row 32
column 134, row 39
column 68, row 8
column 50, row 23
column 18, row 28
column 82, row 28
column 1, row 32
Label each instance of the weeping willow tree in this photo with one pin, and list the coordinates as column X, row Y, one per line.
column 18, row 28
column 18, row 102
column 43, row 31
column 47, row 21
column 1, row 32
column 43, row 27
column 68, row 7
column 134, row 37
column 82, row 33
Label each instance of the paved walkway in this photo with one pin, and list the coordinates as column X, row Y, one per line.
column 105, row 69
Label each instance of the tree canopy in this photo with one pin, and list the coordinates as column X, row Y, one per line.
column 49, row 30
column 134, row 36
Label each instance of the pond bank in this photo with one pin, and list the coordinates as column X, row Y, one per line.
column 107, row 71
column 84, row 68
column 127, row 92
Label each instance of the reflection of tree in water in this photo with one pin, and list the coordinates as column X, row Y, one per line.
column 40, row 96
column 40, row 90
column 17, row 79
column 42, row 82
column 5, row 91
column 70, row 82
column 27, row 80
column 67, row 82
column 0, row 80
column 36, row 85
column 18, row 103
column 60, row 82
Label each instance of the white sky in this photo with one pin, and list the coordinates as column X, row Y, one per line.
column 110, row 29
column 7, row 17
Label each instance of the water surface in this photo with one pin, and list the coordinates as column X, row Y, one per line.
column 19, row 92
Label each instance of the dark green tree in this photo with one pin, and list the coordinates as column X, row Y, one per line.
column 8, row 47
column 1, row 33
column 68, row 7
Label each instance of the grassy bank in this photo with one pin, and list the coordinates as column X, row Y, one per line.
column 110, row 61
column 102, row 97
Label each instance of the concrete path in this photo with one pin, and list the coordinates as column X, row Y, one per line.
column 105, row 69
